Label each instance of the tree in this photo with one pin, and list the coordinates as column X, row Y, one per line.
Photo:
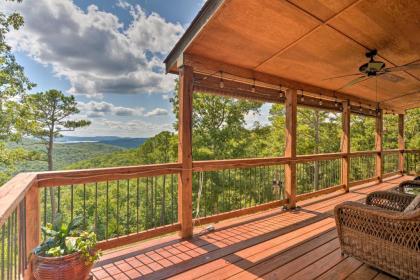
column 219, row 126
column 51, row 110
column 13, row 85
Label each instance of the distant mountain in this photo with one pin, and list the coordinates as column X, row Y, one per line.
column 124, row 142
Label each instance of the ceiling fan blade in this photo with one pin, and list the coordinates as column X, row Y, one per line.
column 337, row 77
column 416, row 91
column 403, row 67
column 390, row 77
column 356, row 81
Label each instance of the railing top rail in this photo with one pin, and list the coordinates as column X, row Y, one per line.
column 362, row 153
column 68, row 177
column 213, row 165
column 315, row 157
column 13, row 192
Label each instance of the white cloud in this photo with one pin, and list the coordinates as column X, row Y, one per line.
column 134, row 128
column 157, row 112
column 94, row 109
column 93, row 50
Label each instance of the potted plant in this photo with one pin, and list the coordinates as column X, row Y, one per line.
column 67, row 251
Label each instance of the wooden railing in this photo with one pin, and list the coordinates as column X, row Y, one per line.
column 127, row 204
column 362, row 167
column 412, row 162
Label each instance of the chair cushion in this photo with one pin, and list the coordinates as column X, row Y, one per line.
column 413, row 205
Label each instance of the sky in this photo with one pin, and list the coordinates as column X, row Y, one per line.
column 108, row 54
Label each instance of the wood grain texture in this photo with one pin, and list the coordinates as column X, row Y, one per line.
column 307, row 42
column 59, row 178
column 379, row 130
column 290, row 148
column 345, row 146
column 203, row 65
column 13, row 192
column 185, row 151
column 136, row 237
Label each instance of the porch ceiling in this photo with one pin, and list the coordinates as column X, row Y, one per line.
column 310, row 41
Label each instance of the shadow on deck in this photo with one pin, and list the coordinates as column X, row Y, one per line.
column 275, row 244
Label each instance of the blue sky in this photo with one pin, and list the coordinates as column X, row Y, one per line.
column 108, row 54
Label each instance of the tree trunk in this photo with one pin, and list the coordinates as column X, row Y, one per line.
column 50, row 168
column 316, row 150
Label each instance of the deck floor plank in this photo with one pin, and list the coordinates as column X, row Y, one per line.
column 274, row 244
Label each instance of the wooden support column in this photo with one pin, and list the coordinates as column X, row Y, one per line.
column 290, row 150
column 185, row 151
column 33, row 225
column 345, row 146
column 401, row 142
column 378, row 144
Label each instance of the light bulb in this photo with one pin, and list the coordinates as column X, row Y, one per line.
column 253, row 88
column 320, row 102
column 302, row 98
column 222, row 84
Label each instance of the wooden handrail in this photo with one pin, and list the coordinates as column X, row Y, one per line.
column 60, row 178
column 385, row 152
column 213, row 165
column 13, row 192
column 315, row 157
column 362, row 153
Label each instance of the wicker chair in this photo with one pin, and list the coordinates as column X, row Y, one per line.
column 380, row 234
column 410, row 184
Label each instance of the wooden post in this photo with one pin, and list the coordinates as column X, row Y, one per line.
column 345, row 146
column 290, row 150
column 33, row 225
column 378, row 144
column 401, row 142
column 185, row 151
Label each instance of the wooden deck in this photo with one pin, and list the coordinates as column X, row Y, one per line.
column 276, row 244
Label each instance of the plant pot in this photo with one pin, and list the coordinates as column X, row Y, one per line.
column 70, row 267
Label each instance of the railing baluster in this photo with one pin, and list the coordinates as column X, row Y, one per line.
column 127, row 226
column 107, row 210
column 84, row 205
column 163, row 218
column 172, row 198
column 96, row 207
column 71, row 201
column 137, row 203
column 118, row 208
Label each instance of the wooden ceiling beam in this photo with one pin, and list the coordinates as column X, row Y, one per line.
column 209, row 67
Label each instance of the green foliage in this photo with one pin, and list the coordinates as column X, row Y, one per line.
column 362, row 133
column 61, row 239
column 13, row 84
column 412, row 129
column 64, row 154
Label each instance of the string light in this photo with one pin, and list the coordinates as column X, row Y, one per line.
column 253, row 87
column 222, row 84
column 336, row 103
column 302, row 98
column 281, row 92
column 320, row 102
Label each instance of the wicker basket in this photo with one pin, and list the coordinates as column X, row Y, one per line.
column 70, row 267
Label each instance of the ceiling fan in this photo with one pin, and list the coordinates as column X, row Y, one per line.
column 375, row 68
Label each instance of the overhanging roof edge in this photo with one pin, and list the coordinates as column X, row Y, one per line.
column 206, row 12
